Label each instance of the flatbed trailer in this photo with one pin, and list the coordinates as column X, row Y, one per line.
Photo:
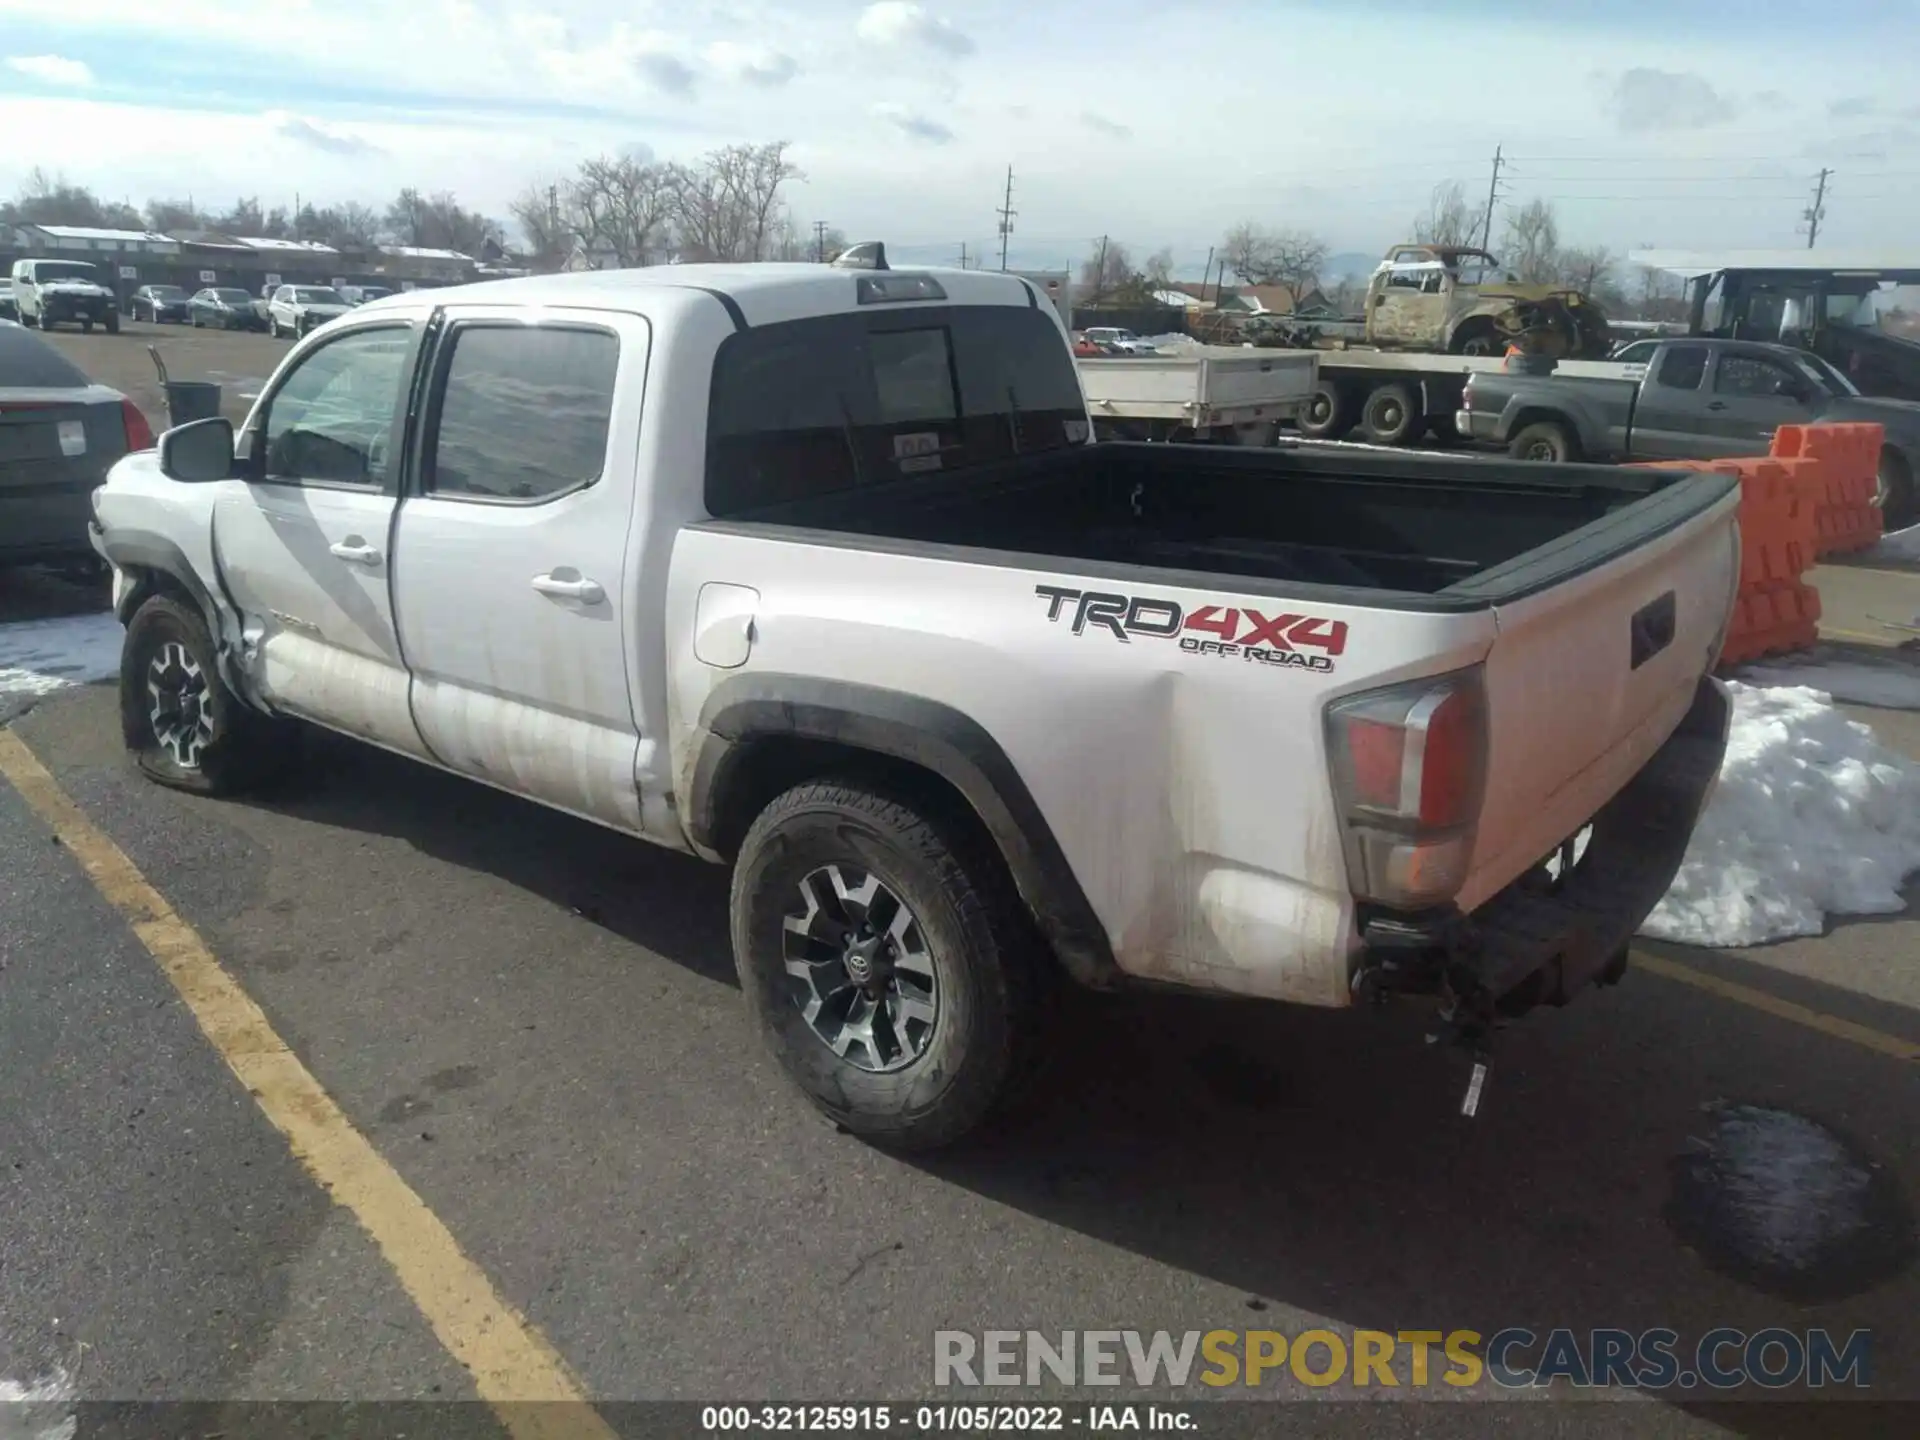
column 1394, row 397
column 1235, row 394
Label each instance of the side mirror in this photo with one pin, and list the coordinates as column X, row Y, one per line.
column 198, row 451
column 1790, row 390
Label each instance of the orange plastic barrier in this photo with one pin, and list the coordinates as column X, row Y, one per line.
column 1775, row 611
column 1848, row 457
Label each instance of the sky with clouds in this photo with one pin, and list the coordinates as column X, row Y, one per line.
column 1677, row 123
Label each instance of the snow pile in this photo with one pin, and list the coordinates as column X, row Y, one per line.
column 1894, row 685
column 1812, row 817
column 38, row 1409
column 38, row 657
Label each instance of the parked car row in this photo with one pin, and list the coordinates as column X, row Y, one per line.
column 45, row 293
column 1101, row 340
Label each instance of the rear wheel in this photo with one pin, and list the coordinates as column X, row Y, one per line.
column 1328, row 413
column 885, row 961
column 113, row 324
column 184, row 727
column 1390, row 415
column 1544, row 440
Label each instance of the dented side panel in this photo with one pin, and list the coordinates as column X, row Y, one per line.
column 1171, row 737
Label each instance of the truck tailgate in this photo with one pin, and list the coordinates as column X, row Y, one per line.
column 1586, row 680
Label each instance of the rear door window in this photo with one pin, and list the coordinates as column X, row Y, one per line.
column 1683, row 367
column 809, row 407
column 523, row 412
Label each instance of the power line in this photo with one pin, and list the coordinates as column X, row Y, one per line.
column 1817, row 211
column 1006, row 212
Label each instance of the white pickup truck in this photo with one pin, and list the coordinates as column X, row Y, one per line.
column 815, row 572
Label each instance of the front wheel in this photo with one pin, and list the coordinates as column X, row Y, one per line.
column 884, row 960
column 183, row 726
column 113, row 324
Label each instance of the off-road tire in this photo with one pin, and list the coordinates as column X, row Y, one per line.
column 246, row 748
column 991, row 983
column 1546, row 440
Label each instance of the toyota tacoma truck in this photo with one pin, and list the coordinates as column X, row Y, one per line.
column 816, row 572
column 1693, row 398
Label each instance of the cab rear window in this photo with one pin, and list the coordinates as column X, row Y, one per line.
column 808, row 407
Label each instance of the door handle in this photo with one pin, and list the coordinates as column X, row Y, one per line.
column 574, row 588
column 356, row 550
column 1717, row 405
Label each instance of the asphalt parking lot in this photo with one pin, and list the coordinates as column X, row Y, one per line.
column 239, row 361
column 534, row 1024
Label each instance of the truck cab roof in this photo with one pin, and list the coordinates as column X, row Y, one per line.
column 758, row 294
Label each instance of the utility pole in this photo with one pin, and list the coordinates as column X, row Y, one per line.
column 1493, row 195
column 1817, row 211
column 963, row 254
column 820, row 241
column 553, row 213
column 1206, row 272
column 1006, row 212
column 1100, row 273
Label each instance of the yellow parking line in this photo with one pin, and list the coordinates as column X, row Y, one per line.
column 511, row 1361
column 1862, row 1035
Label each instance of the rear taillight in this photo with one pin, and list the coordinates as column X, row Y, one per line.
column 1409, row 773
column 139, row 432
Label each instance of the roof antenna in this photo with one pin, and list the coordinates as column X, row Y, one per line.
column 867, row 255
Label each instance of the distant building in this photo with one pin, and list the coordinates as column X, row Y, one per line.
column 71, row 240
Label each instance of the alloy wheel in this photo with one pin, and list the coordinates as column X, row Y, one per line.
column 179, row 705
column 859, row 969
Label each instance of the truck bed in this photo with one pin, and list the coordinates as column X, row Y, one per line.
column 1417, row 531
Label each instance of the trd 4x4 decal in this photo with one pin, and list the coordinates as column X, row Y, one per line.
column 1241, row 631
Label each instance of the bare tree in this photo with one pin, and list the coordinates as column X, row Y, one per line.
column 1590, row 270
column 1159, row 268
column 166, row 216
column 1533, row 243
column 725, row 206
column 537, row 211
column 1259, row 256
column 1297, row 258
column 620, row 207
column 54, row 200
column 1107, row 273
column 1248, row 253
column 1449, row 219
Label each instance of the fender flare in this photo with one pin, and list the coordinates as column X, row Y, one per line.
column 924, row 733
column 148, row 550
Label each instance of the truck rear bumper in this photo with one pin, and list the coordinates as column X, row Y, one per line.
column 1543, row 939
column 1475, row 424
